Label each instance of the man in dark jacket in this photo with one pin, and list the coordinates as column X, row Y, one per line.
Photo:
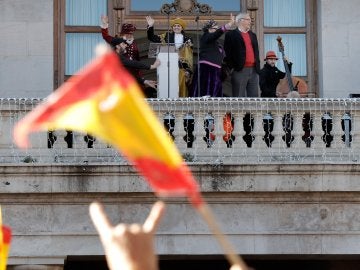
column 242, row 56
column 270, row 75
column 120, row 45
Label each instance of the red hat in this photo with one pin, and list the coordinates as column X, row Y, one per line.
column 127, row 28
column 271, row 55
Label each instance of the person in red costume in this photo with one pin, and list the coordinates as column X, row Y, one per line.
column 127, row 33
column 132, row 51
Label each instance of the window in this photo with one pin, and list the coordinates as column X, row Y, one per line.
column 295, row 50
column 290, row 19
column 284, row 13
column 79, row 50
column 78, row 35
column 80, row 45
column 84, row 12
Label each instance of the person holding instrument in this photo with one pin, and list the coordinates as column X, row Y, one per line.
column 270, row 75
column 292, row 87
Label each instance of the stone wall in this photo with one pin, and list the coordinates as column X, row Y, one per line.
column 26, row 54
column 338, row 47
column 265, row 210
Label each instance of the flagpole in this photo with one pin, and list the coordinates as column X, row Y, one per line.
column 1, row 228
column 168, row 53
column 230, row 252
column 198, row 54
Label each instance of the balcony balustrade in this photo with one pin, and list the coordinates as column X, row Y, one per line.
column 211, row 131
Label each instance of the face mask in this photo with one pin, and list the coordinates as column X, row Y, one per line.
column 130, row 41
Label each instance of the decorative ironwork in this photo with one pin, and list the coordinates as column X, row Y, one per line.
column 185, row 7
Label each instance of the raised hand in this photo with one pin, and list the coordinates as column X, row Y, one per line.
column 104, row 19
column 231, row 22
column 150, row 21
column 128, row 247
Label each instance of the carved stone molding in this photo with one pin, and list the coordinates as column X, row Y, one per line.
column 252, row 5
column 118, row 4
column 185, row 7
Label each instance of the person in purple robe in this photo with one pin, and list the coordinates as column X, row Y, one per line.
column 211, row 57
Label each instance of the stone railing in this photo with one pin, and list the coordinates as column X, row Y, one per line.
column 224, row 130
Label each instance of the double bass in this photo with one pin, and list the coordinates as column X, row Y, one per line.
column 291, row 85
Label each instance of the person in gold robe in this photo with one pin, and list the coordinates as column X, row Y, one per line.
column 183, row 44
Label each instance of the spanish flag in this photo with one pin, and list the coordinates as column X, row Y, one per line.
column 105, row 101
column 4, row 246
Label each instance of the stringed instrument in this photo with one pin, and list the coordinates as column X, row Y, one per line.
column 288, row 85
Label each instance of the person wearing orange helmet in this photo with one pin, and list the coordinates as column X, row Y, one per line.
column 270, row 75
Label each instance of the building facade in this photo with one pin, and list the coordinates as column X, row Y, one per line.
column 294, row 204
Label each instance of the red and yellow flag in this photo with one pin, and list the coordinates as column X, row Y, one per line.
column 105, row 101
column 4, row 246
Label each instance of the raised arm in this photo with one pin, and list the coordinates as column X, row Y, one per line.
column 231, row 22
column 105, row 29
column 128, row 246
column 150, row 30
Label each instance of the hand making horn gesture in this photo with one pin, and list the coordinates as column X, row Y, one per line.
column 128, row 246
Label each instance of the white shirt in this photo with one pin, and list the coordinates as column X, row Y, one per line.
column 179, row 40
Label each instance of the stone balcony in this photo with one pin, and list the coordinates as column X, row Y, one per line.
column 213, row 131
column 287, row 183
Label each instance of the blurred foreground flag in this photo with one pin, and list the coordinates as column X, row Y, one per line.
column 4, row 246
column 105, row 101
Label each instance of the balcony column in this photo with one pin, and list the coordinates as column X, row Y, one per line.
column 318, row 146
column 297, row 131
column 355, row 130
column 337, row 130
column 258, row 131
column 238, row 131
column 278, row 132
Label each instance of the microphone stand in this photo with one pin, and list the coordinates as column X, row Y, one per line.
column 168, row 52
column 198, row 53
